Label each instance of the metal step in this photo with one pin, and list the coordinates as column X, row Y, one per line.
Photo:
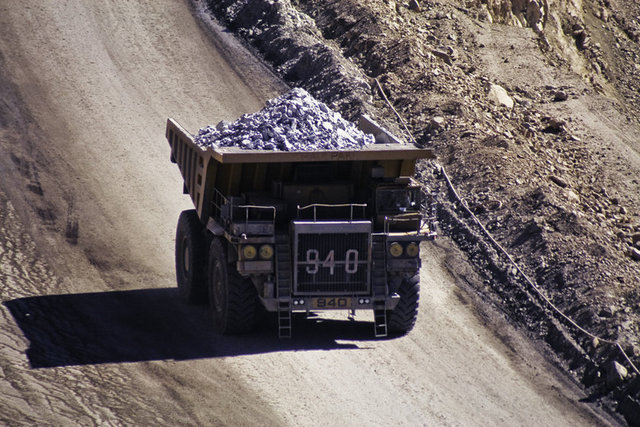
column 379, row 285
column 284, row 319
column 283, row 285
column 380, row 319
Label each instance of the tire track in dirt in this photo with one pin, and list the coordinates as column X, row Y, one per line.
column 75, row 371
column 34, row 396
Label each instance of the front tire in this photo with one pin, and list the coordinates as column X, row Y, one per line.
column 403, row 318
column 191, row 256
column 233, row 299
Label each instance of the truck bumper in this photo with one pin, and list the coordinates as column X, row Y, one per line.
column 329, row 302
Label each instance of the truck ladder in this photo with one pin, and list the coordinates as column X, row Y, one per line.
column 379, row 285
column 283, row 283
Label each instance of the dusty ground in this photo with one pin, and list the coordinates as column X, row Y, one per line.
column 552, row 171
column 92, row 332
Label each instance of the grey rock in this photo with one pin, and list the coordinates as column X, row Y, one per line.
column 222, row 125
column 616, row 374
column 436, row 123
column 607, row 311
column 560, row 96
column 559, row 181
column 414, row 5
column 453, row 53
column 635, row 253
column 554, row 125
column 442, row 55
column 294, row 121
column 499, row 95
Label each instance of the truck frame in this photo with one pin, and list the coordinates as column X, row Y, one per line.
column 301, row 231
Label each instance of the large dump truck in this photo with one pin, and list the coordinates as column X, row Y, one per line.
column 283, row 232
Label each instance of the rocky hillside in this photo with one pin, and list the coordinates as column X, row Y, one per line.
column 532, row 108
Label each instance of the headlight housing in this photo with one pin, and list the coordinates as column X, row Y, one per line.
column 412, row 249
column 266, row 252
column 395, row 249
column 249, row 252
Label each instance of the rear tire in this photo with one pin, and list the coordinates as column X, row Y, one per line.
column 233, row 299
column 403, row 318
column 191, row 256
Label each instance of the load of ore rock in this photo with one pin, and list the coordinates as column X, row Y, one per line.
column 294, row 121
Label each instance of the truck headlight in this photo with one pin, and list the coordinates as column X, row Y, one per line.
column 249, row 252
column 413, row 249
column 395, row 249
column 266, row 251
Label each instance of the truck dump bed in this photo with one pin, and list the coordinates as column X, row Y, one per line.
column 232, row 170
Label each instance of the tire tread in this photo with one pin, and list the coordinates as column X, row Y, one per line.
column 242, row 300
column 191, row 289
column 403, row 318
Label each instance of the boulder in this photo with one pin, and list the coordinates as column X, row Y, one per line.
column 560, row 96
column 500, row 96
column 559, row 181
column 414, row 5
column 442, row 55
column 436, row 123
column 608, row 311
column 616, row 374
column 554, row 125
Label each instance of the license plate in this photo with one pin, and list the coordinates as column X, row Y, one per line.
column 331, row 303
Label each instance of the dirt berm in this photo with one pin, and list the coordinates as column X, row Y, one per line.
column 531, row 106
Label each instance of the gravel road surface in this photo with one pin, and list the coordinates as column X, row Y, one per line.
column 92, row 331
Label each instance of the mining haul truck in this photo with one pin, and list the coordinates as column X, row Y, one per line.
column 301, row 231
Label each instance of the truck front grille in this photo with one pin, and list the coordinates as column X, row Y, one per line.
column 332, row 258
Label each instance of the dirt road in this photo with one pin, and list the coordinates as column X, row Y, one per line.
column 92, row 332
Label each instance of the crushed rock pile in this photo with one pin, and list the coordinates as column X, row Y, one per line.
column 294, row 121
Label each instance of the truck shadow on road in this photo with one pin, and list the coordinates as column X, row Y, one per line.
column 153, row 324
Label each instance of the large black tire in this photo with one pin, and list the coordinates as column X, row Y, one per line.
column 191, row 258
column 233, row 299
column 403, row 318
